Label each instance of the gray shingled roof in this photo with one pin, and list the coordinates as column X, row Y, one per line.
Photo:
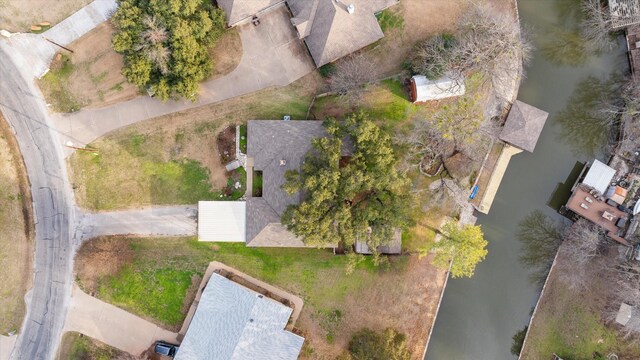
column 238, row 10
column 330, row 32
column 269, row 142
column 232, row 322
column 523, row 126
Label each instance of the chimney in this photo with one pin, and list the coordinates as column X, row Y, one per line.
column 351, row 8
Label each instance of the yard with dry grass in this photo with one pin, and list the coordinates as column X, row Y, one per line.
column 569, row 321
column 19, row 15
column 157, row 277
column 16, row 231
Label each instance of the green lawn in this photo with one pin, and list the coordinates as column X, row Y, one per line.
column 133, row 169
column 155, row 283
column 54, row 84
column 568, row 324
column 77, row 347
column 243, row 139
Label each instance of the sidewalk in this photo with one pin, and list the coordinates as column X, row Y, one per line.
column 111, row 325
column 6, row 346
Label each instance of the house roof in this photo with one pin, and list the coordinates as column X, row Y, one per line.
column 599, row 176
column 423, row 89
column 222, row 221
column 331, row 32
column 232, row 322
column 624, row 12
column 238, row 10
column 276, row 146
column 393, row 247
column 523, row 126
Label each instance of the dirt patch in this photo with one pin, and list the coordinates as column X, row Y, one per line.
column 97, row 80
column 19, row 15
column 17, row 229
column 407, row 302
column 226, row 53
column 227, row 144
column 100, row 258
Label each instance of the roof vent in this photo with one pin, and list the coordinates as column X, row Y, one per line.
column 351, row 8
column 283, row 162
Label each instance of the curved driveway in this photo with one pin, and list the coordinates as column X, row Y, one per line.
column 25, row 110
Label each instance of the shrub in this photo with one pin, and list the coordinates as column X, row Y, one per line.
column 367, row 344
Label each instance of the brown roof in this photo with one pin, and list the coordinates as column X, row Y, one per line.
column 523, row 126
column 238, row 10
column 330, row 32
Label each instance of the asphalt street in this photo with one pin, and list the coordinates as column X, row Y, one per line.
column 47, row 301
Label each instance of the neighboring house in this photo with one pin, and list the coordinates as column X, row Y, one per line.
column 273, row 148
column 232, row 322
column 423, row 89
column 331, row 29
column 594, row 199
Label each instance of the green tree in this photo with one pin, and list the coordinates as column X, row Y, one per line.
column 367, row 344
column 165, row 43
column 357, row 196
column 464, row 247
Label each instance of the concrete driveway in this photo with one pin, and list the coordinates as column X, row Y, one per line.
column 159, row 221
column 112, row 325
column 272, row 56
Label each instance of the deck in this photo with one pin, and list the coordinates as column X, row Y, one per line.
column 594, row 209
column 633, row 45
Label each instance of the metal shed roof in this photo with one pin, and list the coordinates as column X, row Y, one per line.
column 599, row 176
column 232, row 322
column 424, row 89
column 222, row 221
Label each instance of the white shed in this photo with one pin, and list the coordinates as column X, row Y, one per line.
column 423, row 89
column 223, row 221
column 599, row 176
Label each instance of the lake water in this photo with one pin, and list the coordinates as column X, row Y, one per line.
column 479, row 316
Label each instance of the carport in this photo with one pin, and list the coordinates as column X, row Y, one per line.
column 222, row 221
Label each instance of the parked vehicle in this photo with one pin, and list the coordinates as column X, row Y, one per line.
column 166, row 349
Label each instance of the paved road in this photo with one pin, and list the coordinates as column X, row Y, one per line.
column 161, row 221
column 112, row 325
column 25, row 110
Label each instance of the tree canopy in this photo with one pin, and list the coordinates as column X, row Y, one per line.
column 165, row 43
column 464, row 247
column 360, row 195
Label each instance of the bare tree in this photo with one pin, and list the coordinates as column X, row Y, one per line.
column 434, row 57
column 427, row 145
column 152, row 43
column 494, row 45
column 351, row 73
column 583, row 241
column 596, row 26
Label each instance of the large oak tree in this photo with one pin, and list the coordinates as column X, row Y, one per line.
column 359, row 196
column 165, row 43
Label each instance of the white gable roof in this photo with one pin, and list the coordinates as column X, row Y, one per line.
column 223, row 221
column 599, row 176
column 234, row 323
column 442, row 88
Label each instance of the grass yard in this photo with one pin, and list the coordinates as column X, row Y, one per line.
column 75, row 346
column 568, row 323
column 174, row 159
column 16, row 231
column 133, row 169
column 157, row 278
